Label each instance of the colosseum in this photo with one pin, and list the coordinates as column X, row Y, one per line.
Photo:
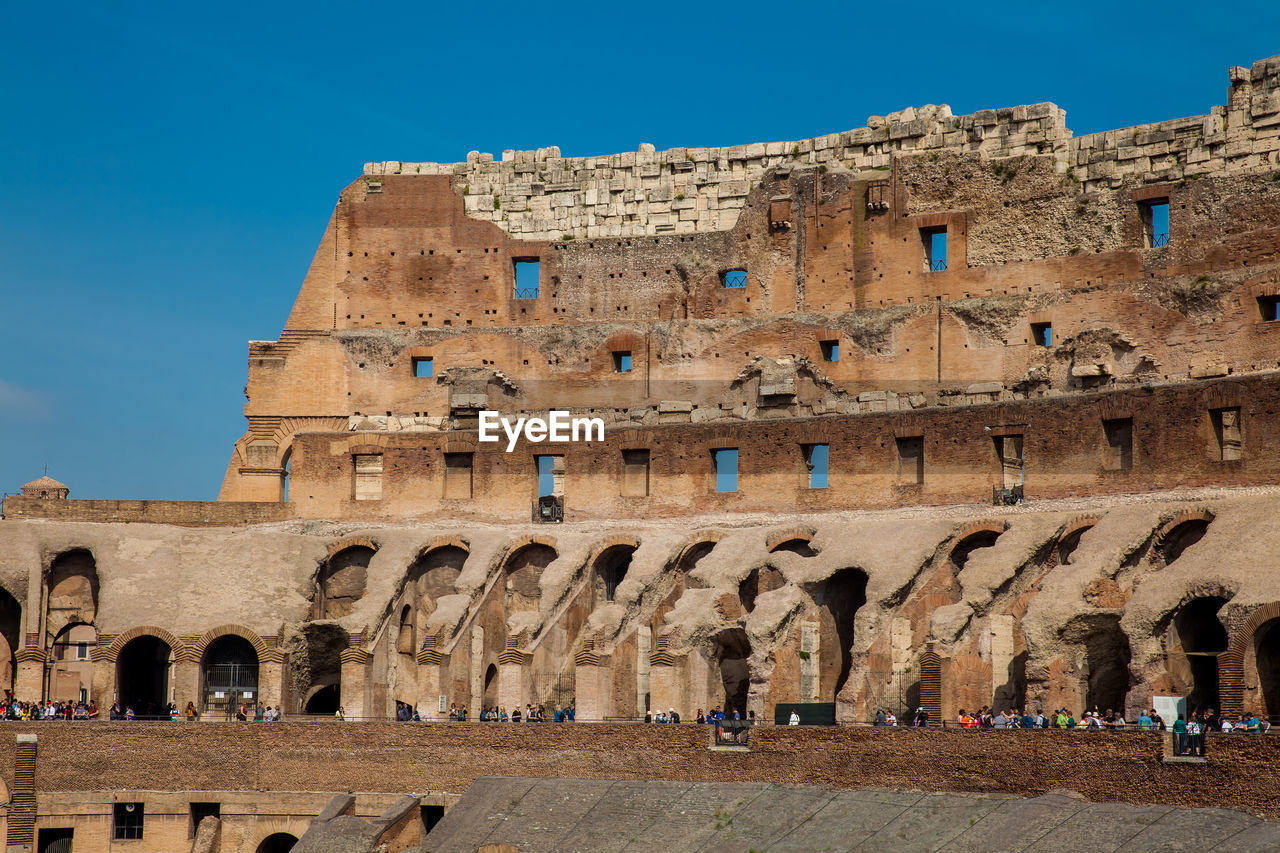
column 941, row 412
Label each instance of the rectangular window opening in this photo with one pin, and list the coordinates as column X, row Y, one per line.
column 1118, row 452
column 830, row 350
column 1269, row 308
column 815, row 460
column 550, row 475
column 734, row 278
column 528, row 277
column 48, row 838
column 622, row 361
column 635, row 473
column 457, row 475
column 1155, row 222
column 200, row 811
column 935, row 248
column 368, row 476
column 424, row 367
column 910, row 460
column 1042, row 334
column 127, row 821
column 1009, row 453
column 726, row 464
column 1227, row 432
column 431, row 815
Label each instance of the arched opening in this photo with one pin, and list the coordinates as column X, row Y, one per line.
column 795, row 546
column 524, row 576
column 732, row 652
column 404, row 637
column 760, row 581
column 841, row 596
column 681, row 580
column 229, row 674
column 1182, row 537
column 71, row 675
column 1200, row 635
column 965, row 547
column 142, row 676
column 1107, row 656
column 341, row 582
column 490, row 699
column 319, row 678
column 277, row 842
column 1267, row 648
column 1068, row 544
column 325, row 700
column 284, row 475
column 432, row 576
column 610, row 569
column 10, row 623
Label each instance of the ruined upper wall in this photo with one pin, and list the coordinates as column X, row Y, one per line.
column 539, row 195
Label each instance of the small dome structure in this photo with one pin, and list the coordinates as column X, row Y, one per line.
column 46, row 487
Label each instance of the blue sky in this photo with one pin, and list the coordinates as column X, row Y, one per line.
column 166, row 171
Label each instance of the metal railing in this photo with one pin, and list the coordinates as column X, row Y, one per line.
column 1158, row 240
column 939, row 265
column 1006, row 497
column 526, row 293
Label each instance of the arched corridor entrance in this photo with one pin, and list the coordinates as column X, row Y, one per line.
column 1267, row 647
column 732, row 651
column 1201, row 637
column 10, row 621
column 229, row 674
column 278, row 842
column 610, row 569
column 490, row 699
column 142, row 676
column 326, row 700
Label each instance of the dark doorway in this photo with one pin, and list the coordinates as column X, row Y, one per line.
column 431, row 815
column 230, row 672
column 326, row 700
column 54, row 840
column 1182, row 537
column 610, row 569
column 142, row 676
column 732, row 651
column 491, row 687
column 842, row 595
column 1108, row 655
column 1202, row 637
column 279, row 842
column 1268, row 652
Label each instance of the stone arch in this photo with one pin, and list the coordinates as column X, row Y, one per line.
column 982, row 534
column 277, row 842
column 1194, row 640
column 70, row 672
column 732, row 656
column 72, row 584
column 201, row 645
column 796, row 541
column 229, row 668
column 10, row 630
column 1180, row 533
column 144, row 673
column 112, row 651
column 342, row 577
column 405, row 632
column 432, row 575
column 522, row 569
column 1069, row 539
column 1240, row 649
column 321, row 667
column 840, row 597
column 489, row 698
column 610, row 564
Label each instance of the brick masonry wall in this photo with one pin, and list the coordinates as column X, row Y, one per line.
column 1242, row 773
column 186, row 513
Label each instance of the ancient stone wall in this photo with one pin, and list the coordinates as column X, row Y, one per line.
column 539, row 195
column 405, row 758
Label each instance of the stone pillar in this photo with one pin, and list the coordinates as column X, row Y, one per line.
column 513, row 674
column 592, row 683
column 271, row 671
column 28, row 682
column 103, row 690
column 355, row 668
column 433, row 668
column 184, row 677
column 477, row 672
column 810, row 657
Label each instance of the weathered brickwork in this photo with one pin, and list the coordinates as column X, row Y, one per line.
column 445, row 759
